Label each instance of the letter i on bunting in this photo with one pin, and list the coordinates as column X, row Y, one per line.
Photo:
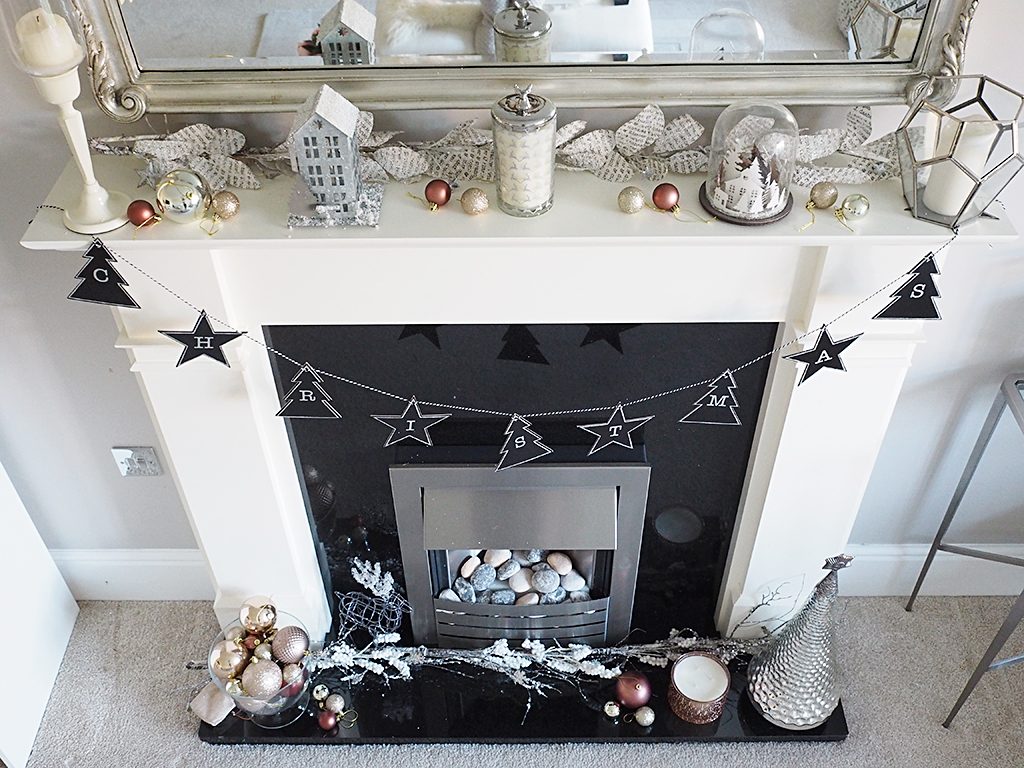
column 522, row 445
column 101, row 283
column 307, row 399
column 411, row 424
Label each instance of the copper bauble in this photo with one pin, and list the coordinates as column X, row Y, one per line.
column 225, row 204
column 666, row 197
column 474, row 201
column 228, row 659
column 290, row 644
column 182, row 196
column 257, row 613
column 141, row 213
column 261, row 679
column 327, row 720
column 633, row 689
column 438, row 192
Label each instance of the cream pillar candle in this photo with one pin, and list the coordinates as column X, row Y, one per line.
column 700, row 678
column 46, row 44
column 948, row 187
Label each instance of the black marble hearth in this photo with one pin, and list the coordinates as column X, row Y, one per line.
column 439, row 706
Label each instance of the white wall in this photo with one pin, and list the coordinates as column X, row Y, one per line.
column 68, row 395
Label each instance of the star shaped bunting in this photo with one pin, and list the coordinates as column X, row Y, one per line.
column 202, row 341
column 824, row 354
column 412, row 424
column 617, row 430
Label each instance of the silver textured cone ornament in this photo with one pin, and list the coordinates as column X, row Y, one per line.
column 792, row 683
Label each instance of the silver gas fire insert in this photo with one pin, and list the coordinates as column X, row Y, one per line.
column 594, row 511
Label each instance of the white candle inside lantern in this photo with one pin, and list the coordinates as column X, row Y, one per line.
column 700, row 678
column 46, row 43
column 948, row 187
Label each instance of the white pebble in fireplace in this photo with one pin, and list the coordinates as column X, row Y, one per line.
column 523, row 577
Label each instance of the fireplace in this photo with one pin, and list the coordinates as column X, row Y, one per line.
column 593, row 513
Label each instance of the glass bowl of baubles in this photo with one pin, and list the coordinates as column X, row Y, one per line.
column 260, row 662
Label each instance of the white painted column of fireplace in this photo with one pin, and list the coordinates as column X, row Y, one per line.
column 582, row 262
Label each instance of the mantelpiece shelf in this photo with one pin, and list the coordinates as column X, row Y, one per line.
column 585, row 211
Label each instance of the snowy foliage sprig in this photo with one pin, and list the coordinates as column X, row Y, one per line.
column 369, row 575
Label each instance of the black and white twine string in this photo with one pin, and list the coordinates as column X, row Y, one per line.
column 539, row 414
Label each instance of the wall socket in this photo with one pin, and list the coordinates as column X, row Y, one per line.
column 137, row 461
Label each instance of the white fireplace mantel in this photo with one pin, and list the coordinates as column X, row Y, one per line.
column 582, row 262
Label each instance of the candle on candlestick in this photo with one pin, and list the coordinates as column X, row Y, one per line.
column 46, row 44
column 948, row 187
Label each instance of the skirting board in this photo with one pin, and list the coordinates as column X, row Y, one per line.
column 135, row 574
column 891, row 569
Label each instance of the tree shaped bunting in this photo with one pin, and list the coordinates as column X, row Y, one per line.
column 716, row 406
column 522, row 445
column 607, row 332
column 412, row 424
column 521, row 345
column 202, row 341
column 307, row 399
column 618, row 430
column 915, row 299
column 428, row 332
column 824, row 354
column 101, row 283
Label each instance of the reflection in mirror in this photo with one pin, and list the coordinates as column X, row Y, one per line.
column 280, row 34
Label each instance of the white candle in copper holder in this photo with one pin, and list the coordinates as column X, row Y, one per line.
column 698, row 687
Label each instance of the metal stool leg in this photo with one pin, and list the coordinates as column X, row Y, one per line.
column 1012, row 620
column 972, row 465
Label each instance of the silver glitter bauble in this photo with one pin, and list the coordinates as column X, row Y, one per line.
column 631, row 200
column 290, row 644
column 257, row 614
column 824, row 195
column 792, row 683
column 321, row 692
column 182, row 196
column 335, row 703
column 856, row 206
column 262, row 679
column 225, row 204
column 644, row 717
column 612, row 709
column 474, row 201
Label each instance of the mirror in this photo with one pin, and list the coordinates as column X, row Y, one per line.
column 267, row 55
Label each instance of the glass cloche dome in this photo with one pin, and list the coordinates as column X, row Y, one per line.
column 753, row 153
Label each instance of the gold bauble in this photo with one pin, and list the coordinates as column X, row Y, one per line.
column 257, row 614
column 182, row 196
column 292, row 673
column 225, row 204
column 233, row 687
column 824, row 195
column 262, row 652
column 335, row 703
column 474, row 201
column 631, row 200
column 234, row 633
column 228, row 659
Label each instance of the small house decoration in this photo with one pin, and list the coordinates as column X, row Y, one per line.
column 325, row 154
column 753, row 154
column 345, row 36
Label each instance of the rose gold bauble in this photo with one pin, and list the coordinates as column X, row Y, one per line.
column 292, row 672
column 228, row 659
column 234, row 633
column 665, row 196
column 141, row 213
column 438, row 192
column 335, row 703
column 633, row 689
column 474, row 201
column 225, row 204
column 290, row 644
column 257, row 613
column 261, row 679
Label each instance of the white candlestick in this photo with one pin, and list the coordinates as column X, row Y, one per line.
column 948, row 187
column 46, row 44
column 699, row 678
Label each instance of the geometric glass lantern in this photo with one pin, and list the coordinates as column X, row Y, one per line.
column 750, row 167
column 873, row 32
column 954, row 161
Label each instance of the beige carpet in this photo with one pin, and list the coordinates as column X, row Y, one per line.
column 121, row 697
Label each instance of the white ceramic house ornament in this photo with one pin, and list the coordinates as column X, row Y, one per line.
column 346, row 35
column 324, row 151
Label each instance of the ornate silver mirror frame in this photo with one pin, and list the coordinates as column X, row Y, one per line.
column 126, row 92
